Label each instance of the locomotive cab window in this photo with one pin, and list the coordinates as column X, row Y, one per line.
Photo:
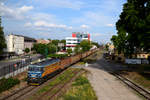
column 33, row 68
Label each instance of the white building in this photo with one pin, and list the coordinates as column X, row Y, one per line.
column 18, row 43
column 15, row 44
column 71, row 42
column 76, row 38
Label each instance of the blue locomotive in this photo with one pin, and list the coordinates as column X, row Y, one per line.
column 39, row 72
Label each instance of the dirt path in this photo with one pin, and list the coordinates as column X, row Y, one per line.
column 107, row 87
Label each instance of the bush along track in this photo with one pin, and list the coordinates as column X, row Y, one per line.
column 6, row 84
column 79, row 90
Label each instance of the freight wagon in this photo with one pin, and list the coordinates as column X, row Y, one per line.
column 40, row 72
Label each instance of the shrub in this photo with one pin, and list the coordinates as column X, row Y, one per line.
column 57, row 55
column 27, row 50
column 6, row 84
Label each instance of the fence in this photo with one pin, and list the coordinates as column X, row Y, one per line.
column 16, row 67
column 136, row 61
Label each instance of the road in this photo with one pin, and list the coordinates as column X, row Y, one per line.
column 107, row 86
column 5, row 63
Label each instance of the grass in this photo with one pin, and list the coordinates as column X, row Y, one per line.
column 61, row 79
column 81, row 63
column 80, row 90
column 139, row 74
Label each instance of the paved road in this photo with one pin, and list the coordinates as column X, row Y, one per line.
column 107, row 86
column 5, row 63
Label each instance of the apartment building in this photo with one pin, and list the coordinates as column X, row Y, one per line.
column 18, row 43
column 76, row 38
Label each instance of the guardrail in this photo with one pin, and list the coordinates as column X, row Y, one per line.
column 17, row 67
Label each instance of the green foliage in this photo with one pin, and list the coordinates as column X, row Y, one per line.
column 40, row 48
column 106, row 47
column 96, row 44
column 133, row 27
column 85, row 45
column 63, row 41
column 45, row 49
column 77, row 49
column 51, row 48
column 2, row 38
column 80, row 81
column 55, row 42
column 120, row 42
column 27, row 50
column 80, row 90
column 6, row 84
column 57, row 55
column 69, row 51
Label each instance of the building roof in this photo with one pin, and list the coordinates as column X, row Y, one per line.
column 25, row 37
column 43, row 41
column 46, row 62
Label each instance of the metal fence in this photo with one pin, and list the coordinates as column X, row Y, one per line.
column 16, row 67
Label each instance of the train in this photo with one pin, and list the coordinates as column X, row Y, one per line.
column 41, row 71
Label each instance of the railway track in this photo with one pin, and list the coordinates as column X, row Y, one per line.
column 23, row 91
column 129, row 83
column 137, row 88
column 16, row 92
column 56, row 90
column 27, row 89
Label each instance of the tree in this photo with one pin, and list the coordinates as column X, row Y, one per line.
column 40, row 48
column 106, row 47
column 96, row 44
column 49, row 39
column 51, row 48
column 85, row 45
column 27, row 50
column 63, row 41
column 55, row 42
column 77, row 49
column 2, row 38
column 69, row 51
column 133, row 27
column 120, row 42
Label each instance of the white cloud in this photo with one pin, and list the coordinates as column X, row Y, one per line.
column 46, row 24
column 24, row 9
column 70, row 27
column 110, row 25
column 28, row 24
column 84, row 26
column 15, row 13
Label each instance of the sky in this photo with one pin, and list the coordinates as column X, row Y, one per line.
column 57, row 19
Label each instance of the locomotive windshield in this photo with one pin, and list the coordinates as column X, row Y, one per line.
column 34, row 68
